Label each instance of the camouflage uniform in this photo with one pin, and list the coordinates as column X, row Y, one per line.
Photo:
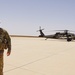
column 1, row 64
column 5, row 43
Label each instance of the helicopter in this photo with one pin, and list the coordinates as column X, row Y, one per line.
column 58, row 35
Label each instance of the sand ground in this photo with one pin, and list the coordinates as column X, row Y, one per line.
column 37, row 56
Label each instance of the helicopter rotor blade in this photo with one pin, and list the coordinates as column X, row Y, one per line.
column 61, row 30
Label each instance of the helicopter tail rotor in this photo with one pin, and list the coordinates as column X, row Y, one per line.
column 41, row 33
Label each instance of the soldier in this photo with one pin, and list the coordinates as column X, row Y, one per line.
column 5, row 43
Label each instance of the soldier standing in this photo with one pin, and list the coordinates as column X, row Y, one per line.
column 5, row 43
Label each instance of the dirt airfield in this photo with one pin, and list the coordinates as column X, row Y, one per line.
column 37, row 56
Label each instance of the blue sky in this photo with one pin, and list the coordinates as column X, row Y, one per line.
column 23, row 17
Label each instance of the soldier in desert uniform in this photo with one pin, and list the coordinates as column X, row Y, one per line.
column 5, row 43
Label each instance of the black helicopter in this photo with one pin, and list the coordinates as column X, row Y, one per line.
column 58, row 35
